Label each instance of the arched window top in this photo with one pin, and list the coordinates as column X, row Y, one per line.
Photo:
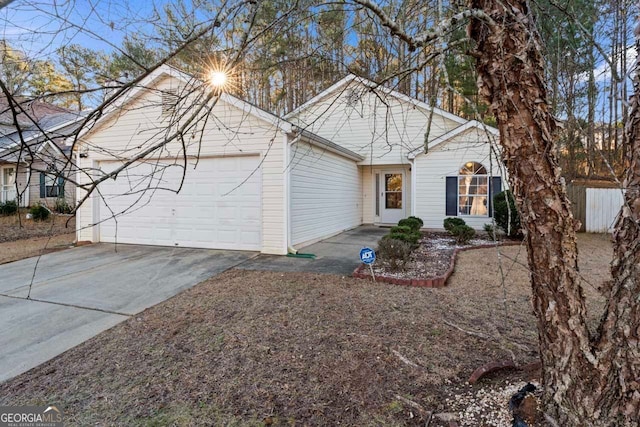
column 473, row 168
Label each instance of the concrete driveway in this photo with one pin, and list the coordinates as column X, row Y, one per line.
column 81, row 292
column 339, row 254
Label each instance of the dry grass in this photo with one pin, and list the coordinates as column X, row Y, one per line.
column 258, row 348
column 22, row 238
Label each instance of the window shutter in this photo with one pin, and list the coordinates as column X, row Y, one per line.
column 43, row 189
column 60, row 186
column 452, row 196
column 495, row 187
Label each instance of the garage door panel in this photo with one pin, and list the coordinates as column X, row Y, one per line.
column 200, row 215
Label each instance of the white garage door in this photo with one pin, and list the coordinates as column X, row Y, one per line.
column 218, row 206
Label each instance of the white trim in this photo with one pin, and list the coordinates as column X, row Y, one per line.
column 383, row 189
column 257, row 112
column 26, row 200
column 321, row 95
column 453, row 133
column 413, row 171
column 287, row 189
column 325, row 144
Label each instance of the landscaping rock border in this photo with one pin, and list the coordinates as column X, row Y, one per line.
column 433, row 282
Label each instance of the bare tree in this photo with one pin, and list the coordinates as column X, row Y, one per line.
column 590, row 377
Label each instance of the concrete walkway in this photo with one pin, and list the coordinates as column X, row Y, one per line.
column 337, row 255
column 81, row 292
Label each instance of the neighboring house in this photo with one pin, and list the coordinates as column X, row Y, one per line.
column 254, row 181
column 34, row 160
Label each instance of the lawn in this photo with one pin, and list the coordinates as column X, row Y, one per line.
column 22, row 238
column 264, row 348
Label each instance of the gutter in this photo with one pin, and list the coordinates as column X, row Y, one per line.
column 324, row 143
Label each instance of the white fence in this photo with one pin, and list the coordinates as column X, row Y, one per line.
column 602, row 207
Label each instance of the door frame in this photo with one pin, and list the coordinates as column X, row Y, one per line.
column 2, row 183
column 382, row 191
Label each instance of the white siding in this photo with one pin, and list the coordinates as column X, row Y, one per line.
column 228, row 131
column 603, row 206
column 326, row 195
column 368, row 195
column 444, row 160
column 383, row 129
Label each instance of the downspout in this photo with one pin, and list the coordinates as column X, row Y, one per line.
column 412, row 162
column 287, row 192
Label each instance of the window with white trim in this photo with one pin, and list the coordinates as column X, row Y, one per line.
column 473, row 190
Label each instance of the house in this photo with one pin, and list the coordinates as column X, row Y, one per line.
column 34, row 160
column 228, row 175
column 454, row 177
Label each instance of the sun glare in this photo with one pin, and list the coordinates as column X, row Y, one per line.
column 218, row 79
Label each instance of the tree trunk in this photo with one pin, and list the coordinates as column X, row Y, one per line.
column 587, row 381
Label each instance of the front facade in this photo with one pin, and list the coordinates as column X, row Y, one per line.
column 455, row 176
column 238, row 177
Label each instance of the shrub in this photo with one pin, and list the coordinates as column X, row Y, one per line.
column 417, row 219
column 394, row 252
column 404, row 233
column 450, row 223
column 8, row 208
column 491, row 231
column 462, row 234
column 39, row 212
column 62, row 206
column 413, row 223
column 506, row 215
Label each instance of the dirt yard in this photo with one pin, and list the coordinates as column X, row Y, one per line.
column 258, row 348
column 22, row 238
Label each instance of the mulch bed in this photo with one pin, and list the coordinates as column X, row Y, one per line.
column 431, row 263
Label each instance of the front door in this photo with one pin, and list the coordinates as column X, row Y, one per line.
column 392, row 197
column 8, row 187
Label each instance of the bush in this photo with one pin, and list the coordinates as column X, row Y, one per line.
column 450, row 223
column 39, row 212
column 8, row 208
column 502, row 210
column 413, row 223
column 62, row 206
column 394, row 252
column 462, row 234
column 417, row 219
column 491, row 231
column 404, row 233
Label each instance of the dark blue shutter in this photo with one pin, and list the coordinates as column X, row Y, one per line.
column 452, row 196
column 495, row 187
column 43, row 188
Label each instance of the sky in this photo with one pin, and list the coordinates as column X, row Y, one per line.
column 39, row 27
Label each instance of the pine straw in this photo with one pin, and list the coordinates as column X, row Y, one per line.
column 22, row 238
column 263, row 348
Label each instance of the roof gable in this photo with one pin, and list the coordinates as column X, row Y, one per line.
column 472, row 124
column 164, row 71
column 339, row 87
